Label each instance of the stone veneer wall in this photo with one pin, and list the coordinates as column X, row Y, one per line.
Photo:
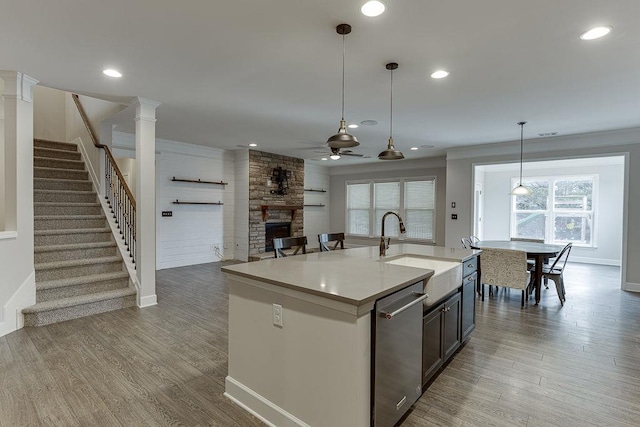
column 261, row 167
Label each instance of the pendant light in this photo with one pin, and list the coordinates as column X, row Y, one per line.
column 342, row 139
column 521, row 190
column 391, row 153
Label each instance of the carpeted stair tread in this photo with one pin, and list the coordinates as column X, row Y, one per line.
column 88, row 204
column 50, row 162
column 72, row 246
column 78, row 300
column 72, row 231
column 54, row 153
column 64, row 192
column 75, row 281
column 59, row 173
column 75, row 263
column 60, row 217
column 58, row 180
column 46, row 143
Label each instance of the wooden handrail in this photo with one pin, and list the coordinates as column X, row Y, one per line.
column 107, row 151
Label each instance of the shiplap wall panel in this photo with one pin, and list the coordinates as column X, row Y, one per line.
column 241, row 211
column 316, row 219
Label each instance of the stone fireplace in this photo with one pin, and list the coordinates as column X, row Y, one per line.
column 278, row 206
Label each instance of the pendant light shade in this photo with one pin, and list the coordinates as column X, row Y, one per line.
column 521, row 190
column 391, row 153
column 342, row 139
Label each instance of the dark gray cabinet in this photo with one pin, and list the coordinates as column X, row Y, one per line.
column 446, row 326
column 440, row 335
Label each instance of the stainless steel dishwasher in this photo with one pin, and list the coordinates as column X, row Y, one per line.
column 397, row 353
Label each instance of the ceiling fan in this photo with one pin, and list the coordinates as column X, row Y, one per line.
column 337, row 153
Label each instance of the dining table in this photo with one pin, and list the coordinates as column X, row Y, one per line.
column 539, row 252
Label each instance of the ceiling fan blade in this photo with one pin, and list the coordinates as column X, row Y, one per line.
column 349, row 153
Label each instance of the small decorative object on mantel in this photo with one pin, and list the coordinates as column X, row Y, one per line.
column 198, row 181
column 178, row 202
column 281, row 177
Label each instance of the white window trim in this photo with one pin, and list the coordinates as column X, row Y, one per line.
column 401, row 211
column 551, row 213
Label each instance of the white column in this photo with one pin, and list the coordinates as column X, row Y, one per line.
column 18, row 148
column 17, row 276
column 146, row 200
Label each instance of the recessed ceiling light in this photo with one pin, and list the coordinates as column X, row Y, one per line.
column 372, row 8
column 426, row 146
column 414, row 148
column 324, row 158
column 253, row 144
column 596, row 33
column 353, row 126
column 440, row 74
column 111, row 72
column 369, row 122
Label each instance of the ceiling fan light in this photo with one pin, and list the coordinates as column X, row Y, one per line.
column 391, row 153
column 335, row 157
column 520, row 190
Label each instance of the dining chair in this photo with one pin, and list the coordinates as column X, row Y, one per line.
column 336, row 239
column 295, row 243
column 465, row 243
column 531, row 264
column 473, row 239
column 554, row 272
column 505, row 267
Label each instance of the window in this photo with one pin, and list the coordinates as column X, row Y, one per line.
column 413, row 199
column 559, row 210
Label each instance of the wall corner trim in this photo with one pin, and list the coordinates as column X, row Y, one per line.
column 632, row 287
column 148, row 301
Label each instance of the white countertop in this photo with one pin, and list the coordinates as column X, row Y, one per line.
column 354, row 276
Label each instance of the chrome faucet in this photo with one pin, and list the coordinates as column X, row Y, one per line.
column 385, row 245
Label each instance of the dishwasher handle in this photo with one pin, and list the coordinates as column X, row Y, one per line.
column 419, row 299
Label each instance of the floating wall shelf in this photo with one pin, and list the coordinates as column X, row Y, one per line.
column 198, row 181
column 316, row 190
column 318, row 205
column 178, row 202
column 292, row 208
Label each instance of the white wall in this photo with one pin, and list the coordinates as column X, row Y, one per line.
column 2, row 181
column 97, row 110
column 49, row 114
column 316, row 218
column 190, row 235
column 127, row 166
column 608, row 214
column 241, row 220
column 380, row 170
column 460, row 164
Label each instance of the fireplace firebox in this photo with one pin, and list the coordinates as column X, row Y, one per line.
column 274, row 230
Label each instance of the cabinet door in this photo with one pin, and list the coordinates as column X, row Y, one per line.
column 451, row 326
column 468, row 321
column 432, row 354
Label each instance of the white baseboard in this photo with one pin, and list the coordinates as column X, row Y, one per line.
column 147, row 301
column 85, row 158
column 263, row 409
column 632, row 287
column 11, row 317
column 599, row 261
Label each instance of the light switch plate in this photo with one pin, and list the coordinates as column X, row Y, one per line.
column 277, row 315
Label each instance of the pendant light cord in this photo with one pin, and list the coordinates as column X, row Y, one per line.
column 391, row 109
column 521, row 145
column 343, row 52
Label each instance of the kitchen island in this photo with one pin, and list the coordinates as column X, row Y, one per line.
column 300, row 330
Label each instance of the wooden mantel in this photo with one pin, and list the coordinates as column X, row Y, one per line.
column 292, row 208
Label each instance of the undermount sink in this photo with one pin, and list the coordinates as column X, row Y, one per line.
column 447, row 275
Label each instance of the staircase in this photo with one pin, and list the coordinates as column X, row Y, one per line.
column 79, row 271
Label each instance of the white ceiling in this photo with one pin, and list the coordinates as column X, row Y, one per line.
column 230, row 73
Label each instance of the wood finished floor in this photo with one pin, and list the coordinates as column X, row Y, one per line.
column 165, row 365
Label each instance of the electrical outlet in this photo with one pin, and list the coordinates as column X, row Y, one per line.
column 277, row 315
column 454, row 216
